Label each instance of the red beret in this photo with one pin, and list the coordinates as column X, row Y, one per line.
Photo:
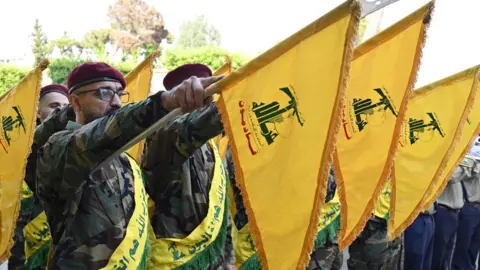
column 182, row 73
column 53, row 88
column 91, row 72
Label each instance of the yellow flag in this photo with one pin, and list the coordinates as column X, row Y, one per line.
column 381, row 79
column 281, row 112
column 470, row 131
column 18, row 113
column 138, row 85
column 434, row 121
column 223, row 70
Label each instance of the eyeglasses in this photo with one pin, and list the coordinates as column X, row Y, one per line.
column 107, row 94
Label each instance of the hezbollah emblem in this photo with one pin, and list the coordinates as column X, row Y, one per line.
column 368, row 111
column 422, row 129
column 12, row 127
column 260, row 120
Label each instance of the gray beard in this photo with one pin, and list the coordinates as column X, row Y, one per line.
column 90, row 117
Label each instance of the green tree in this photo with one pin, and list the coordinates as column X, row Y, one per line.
column 40, row 43
column 96, row 40
column 137, row 28
column 211, row 56
column 9, row 76
column 198, row 33
column 66, row 45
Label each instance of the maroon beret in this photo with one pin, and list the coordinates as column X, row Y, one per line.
column 182, row 73
column 53, row 88
column 91, row 72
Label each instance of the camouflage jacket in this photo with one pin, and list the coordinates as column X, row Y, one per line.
column 88, row 213
column 179, row 163
column 31, row 207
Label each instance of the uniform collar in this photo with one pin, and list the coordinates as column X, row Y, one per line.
column 72, row 126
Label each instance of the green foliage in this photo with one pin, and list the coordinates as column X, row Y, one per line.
column 66, row 45
column 40, row 41
column 123, row 67
column 198, row 33
column 61, row 67
column 9, row 76
column 211, row 56
column 96, row 41
column 170, row 38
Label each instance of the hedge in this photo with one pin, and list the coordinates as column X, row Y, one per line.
column 61, row 67
column 211, row 56
column 10, row 75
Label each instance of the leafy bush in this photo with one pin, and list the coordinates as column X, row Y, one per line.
column 61, row 67
column 211, row 56
column 10, row 75
column 125, row 68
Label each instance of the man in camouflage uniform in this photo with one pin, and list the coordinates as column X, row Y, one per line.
column 372, row 250
column 88, row 211
column 182, row 174
column 328, row 256
column 51, row 97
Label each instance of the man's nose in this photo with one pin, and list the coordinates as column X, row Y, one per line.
column 116, row 101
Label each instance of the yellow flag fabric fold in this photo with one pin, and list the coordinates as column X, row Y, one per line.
column 18, row 111
column 435, row 118
column 469, row 133
column 138, row 86
column 223, row 70
column 281, row 112
column 382, row 77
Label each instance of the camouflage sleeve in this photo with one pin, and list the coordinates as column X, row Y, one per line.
column 195, row 129
column 168, row 149
column 57, row 121
column 78, row 152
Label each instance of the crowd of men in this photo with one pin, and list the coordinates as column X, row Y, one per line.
column 91, row 214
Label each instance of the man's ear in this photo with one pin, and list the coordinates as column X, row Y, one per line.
column 73, row 99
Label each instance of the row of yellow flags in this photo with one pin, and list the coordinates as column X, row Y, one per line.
column 311, row 100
